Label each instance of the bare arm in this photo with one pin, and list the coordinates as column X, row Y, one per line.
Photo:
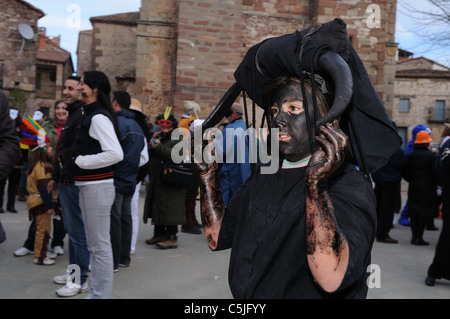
column 327, row 247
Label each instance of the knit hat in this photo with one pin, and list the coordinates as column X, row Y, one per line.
column 191, row 107
column 423, row 138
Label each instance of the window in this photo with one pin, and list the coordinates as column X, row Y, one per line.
column 38, row 81
column 439, row 110
column 403, row 106
column 403, row 131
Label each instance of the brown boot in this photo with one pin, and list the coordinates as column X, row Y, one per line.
column 155, row 239
column 170, row 242
column 21, row 195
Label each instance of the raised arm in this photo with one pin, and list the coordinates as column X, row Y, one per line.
column 212, row 208
column 327, row 247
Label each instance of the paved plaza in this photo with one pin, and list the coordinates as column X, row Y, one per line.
column 194, row 272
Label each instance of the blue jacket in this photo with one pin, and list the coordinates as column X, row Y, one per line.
column 234, row 171
column 132, row 140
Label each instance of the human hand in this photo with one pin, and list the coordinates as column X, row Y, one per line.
column 206, row 162
column 51, row 211
column 330, row 153
column 154, row 142
column 51, row 186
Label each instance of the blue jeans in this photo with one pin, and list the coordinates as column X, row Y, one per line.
column 73, row 222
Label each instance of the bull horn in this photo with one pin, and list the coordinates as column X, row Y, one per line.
column 334, row 66
column 222, row 108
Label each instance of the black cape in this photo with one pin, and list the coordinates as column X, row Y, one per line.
column 374, row 138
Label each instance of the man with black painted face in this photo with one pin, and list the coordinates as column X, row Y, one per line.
column 301, row 232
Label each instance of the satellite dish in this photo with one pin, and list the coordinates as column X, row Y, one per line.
column 26, row 32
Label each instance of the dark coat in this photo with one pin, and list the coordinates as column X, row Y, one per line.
column 132, row 140
column 419, row 172
column 9, row 142
column 63, row 161
column 164, row 203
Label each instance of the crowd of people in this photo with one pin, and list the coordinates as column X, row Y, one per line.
column 304, row 231
column 419, row 166
column 83, row 170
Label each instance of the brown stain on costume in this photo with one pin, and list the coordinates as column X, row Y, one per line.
column 212, row 207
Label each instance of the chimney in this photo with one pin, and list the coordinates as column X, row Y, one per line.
column 42, row 42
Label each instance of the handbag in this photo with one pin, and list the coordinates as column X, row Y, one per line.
column 181, row 174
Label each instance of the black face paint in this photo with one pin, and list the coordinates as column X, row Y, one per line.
column 291, row 121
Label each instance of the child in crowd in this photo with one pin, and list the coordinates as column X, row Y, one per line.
column 41, row 204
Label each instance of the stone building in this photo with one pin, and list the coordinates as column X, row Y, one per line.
column 110, row 47
column 189, row 49
column 84, row 62
column 422, row 95
column 53, row 66
column 17, row 55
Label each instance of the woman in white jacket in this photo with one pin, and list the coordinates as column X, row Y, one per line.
column 96, row 150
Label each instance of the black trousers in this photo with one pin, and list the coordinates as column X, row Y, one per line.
column 387, row 203
column 13, row 182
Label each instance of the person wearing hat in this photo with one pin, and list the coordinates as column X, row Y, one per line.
column 190, row 114
column 422, row 197
column 404, row 218
column 141, row 119
column 164, row 203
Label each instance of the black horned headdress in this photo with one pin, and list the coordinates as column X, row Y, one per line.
column 322, row 52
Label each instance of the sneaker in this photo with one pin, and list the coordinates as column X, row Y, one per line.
column 58, row 250
column 46, row 261
column 61, row 280
column 22, row 251
column 66, row 291
column 51, row 255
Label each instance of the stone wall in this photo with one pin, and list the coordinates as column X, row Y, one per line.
column 189, row 49
column 422, row 93
column 17, row 68
column 113, row 50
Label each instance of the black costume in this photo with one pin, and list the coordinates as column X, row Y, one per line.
column 264, row 224
column 440, row 268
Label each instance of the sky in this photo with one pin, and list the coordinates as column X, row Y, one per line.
column 68, row 17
